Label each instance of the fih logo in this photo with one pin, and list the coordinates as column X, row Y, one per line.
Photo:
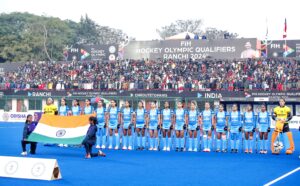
column 84, row 54
column 5, row 116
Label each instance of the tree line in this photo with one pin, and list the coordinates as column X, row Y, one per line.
column 28, row 37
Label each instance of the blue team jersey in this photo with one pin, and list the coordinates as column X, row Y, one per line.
column 221, row 119
column 249, row 120
column 76, row 110
column 101, row 115
column 126, row 115
column 63, row 110
column 193, row 117
column 88, row 110
column 113, row 116
column 153, row 117
column 140, row 116
column 207, row 119
column 180, row 116
column 167, row 117
column 235, row 121
column 263, row 118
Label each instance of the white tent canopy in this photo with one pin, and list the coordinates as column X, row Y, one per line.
column 180, row 36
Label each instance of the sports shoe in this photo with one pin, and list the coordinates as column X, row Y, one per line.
column 265, row 152
column 204, row 150
column 150, row 148
column 250, row 151
column 195, row 150
column 190, row 150
column 65, row 145
column 154, row 149
column 246, row 151
column 103, row 147
column 235, row 151
column 110, row 147
column 224, row 150
column 129, row 148
column 177, row 149
column 207, row 150
column 60, row 145
column 165, row 149
column 218, row 150
column 124, row 148
column 24, row 153
column 100, row 153
column 98, row 147
column 117, row 148
column 181, row 149
column 168, row 148
column 87, row 156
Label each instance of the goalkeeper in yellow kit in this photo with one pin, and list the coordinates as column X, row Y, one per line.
column 282, row 114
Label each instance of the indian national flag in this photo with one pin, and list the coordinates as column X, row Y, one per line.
column 60, row 129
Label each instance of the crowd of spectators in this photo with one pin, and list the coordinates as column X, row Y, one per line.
column 208, row 74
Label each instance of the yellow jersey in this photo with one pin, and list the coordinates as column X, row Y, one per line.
column 50, row 109
column 282, row 112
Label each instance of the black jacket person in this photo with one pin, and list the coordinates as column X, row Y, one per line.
column 90, row 139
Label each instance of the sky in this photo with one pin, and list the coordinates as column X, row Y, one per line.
column 140, row 18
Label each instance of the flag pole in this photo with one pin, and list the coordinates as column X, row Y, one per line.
column 285, row 36
column 285, row 47
column 266, row 42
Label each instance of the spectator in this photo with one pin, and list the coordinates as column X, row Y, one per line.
column 206, row 74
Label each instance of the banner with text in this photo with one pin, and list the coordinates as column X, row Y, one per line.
column 193, row 49
column 91, row 52
column 277, row 48
column 259, row 96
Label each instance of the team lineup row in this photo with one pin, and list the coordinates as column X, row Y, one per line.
column 227, row 127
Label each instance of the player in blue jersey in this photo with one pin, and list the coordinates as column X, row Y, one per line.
column 235, row 127
column 167, row 121
column 63, row 111
column 126, row 121
column 207, row 125
column 101, row 125
column 193, row 126
column 153, row 121
column 113, row 119
column 263, row 125
column 140, row 125
column 249, row 121
column 180, row 125
column 88, row 109
column 221, row 129
column 76, row 110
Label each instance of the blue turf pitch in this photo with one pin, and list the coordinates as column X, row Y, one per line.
column 154, row 168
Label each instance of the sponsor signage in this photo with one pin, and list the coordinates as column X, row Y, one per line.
column 91, row 52
column 14, row 116
column 294, row 123
column 293, row 95
column 280, row 48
